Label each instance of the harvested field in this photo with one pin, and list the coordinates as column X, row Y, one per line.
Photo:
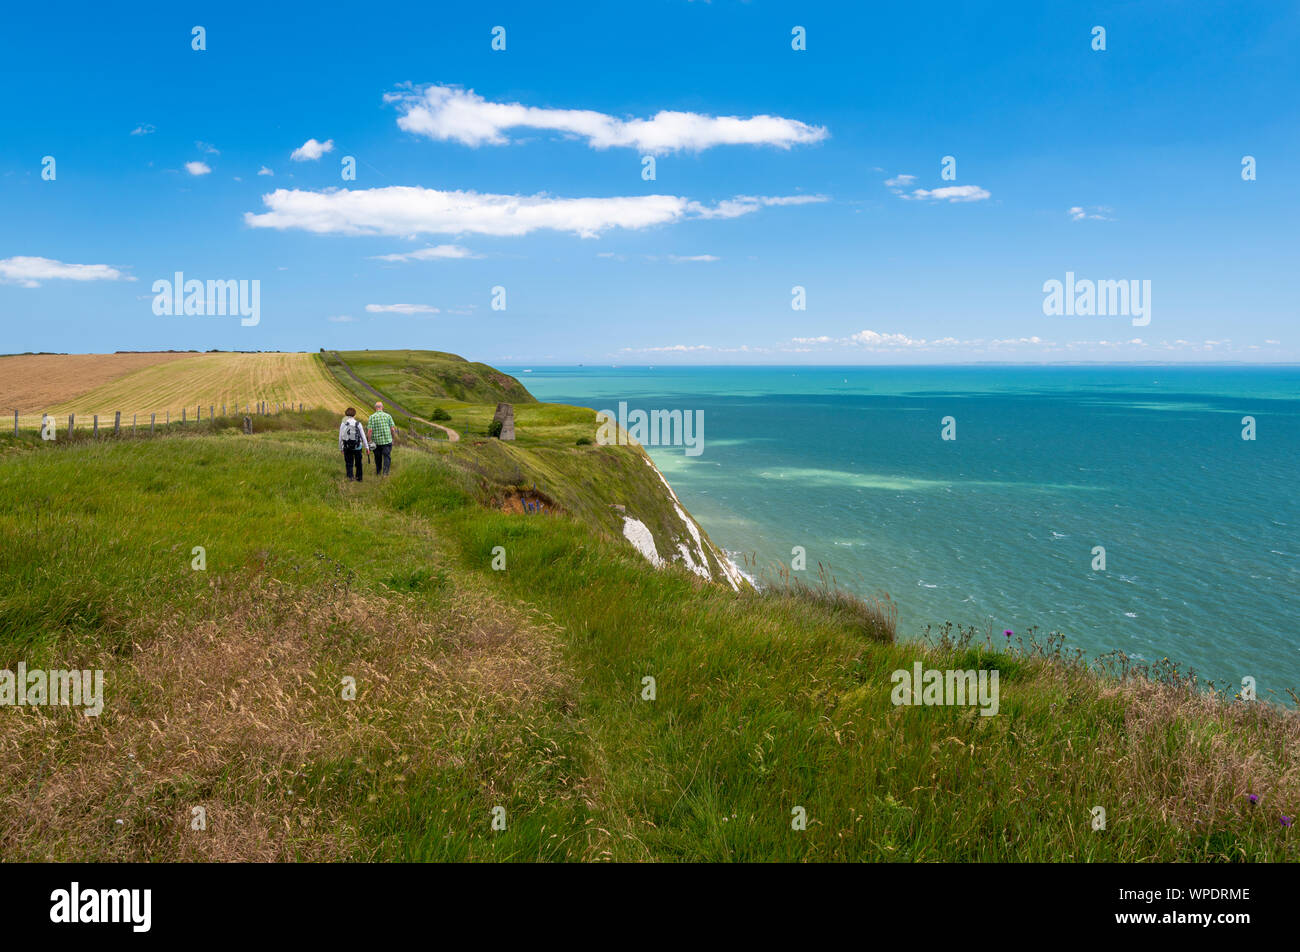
column 32, row 383
column 167, row 386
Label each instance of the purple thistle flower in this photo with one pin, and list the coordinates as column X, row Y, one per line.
column 1253, row 798
column 1008, row 633
column 1286, row 821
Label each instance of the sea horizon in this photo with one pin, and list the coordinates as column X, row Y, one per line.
column 997, row 527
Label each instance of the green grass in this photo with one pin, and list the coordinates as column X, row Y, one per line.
column 522, row 687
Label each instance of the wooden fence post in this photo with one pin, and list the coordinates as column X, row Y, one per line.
column 94, row 425
column 151, row 421
column 211, row 414
column 72, row 417
column 133, row 416
column 15, row 423
column 167, row 418
column 182, row 414
column 117, row 422
column 223, row 409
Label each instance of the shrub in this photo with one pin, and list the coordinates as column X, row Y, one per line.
column 584, row 441
column 494, row 428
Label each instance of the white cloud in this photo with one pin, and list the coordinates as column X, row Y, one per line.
column 950, row 193
column 401, row 309
column 450, row 113
column 207, row 147
column 341, row 319
column 311, row 150
column 30, row 272
column 670, row 349
column 694, row 258
column 197, row 168
column 693, row 348
column 429, row 254
column 874, row 339
column 1031, row 347
column 744, row 204
column 877, row 341
column 409, row 210
column 143, row 130
column 264, row 171
column 1098, row 213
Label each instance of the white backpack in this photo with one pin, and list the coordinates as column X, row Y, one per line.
column 351, row 434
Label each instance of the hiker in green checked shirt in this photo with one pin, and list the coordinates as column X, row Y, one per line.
column 380, row 427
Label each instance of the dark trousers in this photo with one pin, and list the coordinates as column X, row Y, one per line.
column 383, row 457
column 353, row 458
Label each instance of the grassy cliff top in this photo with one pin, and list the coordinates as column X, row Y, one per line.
column 538, row 663
column 427, row 379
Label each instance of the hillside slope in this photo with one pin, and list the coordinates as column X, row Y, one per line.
column 534, row 662
column 428, row 378
column 614, row 489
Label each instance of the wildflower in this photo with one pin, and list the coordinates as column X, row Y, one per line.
column 1253, row 798
column 1008, row 633
column 1286, row 821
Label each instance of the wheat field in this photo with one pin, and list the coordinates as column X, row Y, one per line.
column 33, row 383
column 167, row 387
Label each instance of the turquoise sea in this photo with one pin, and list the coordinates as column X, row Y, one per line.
column 996, row 528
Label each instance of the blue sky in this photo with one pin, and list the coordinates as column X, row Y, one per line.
column 522, row 169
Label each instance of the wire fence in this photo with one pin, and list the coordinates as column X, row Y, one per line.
column 48, row 426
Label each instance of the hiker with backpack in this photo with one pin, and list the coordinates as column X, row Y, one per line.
column 352, row 440
column 380, row 426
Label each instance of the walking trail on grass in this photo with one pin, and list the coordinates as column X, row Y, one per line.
column 452, row 435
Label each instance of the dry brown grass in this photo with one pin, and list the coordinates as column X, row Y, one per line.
column 1196, row 758
column 33, row 383
column 230, row 712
